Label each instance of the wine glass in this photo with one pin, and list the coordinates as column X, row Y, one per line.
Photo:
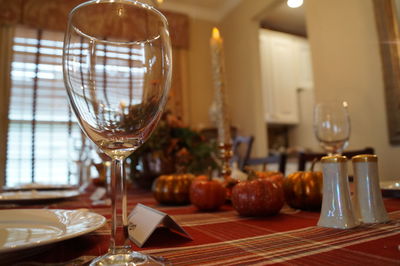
column 332, row 126
column 117, row 66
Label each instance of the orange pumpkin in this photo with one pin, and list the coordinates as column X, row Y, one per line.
column 274, row 176
column 303, row 190
column 172, row 189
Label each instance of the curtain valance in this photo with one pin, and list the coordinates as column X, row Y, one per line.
column 52, row 15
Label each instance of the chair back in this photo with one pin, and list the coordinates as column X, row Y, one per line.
column 279, row 159
column 309, row 157
column 241, row 149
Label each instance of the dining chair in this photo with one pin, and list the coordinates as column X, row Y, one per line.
column 241, row 149
column 305, row 157
column 279, row 159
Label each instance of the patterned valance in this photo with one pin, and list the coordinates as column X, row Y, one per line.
column 52, row 15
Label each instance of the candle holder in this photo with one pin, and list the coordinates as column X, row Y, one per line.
column 225, row 154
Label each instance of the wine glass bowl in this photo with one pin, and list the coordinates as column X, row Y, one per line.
column 332, row 126
column 117, row 66
column 114, row 76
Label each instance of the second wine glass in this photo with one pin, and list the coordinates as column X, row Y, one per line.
column 332, row 126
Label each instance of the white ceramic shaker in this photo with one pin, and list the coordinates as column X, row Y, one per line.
column 367, row 201
column 336, row 210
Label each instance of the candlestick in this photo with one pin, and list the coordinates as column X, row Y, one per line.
column 222, row 114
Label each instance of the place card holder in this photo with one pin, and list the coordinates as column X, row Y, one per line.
column 144, row 220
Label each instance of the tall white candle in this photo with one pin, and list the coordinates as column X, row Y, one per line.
column 218, row 68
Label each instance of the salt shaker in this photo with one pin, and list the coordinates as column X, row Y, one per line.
column 367, row 200
column 336, row 210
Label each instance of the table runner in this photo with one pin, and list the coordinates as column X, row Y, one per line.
column 225, row 238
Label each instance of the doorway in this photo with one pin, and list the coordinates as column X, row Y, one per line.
column 287, row 78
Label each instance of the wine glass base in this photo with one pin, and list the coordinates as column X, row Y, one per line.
column 128, row 258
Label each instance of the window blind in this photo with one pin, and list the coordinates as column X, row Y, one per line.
column 41, row 126
column 44, row 140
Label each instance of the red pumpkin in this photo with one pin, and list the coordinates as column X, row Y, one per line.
column 258, row 197
column 207, row 194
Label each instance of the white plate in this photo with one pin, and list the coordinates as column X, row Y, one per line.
column 39, row 186
column 25, row 228
column 32, row 195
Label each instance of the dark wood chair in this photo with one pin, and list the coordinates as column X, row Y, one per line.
column 279, row 159
column 310, row 157
column 241, row 149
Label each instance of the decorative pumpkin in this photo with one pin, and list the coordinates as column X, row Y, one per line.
column 258, row 196
column 200, row 178
column 172, row 189
column 303, row 190
column 274, row 176
column 207, row 194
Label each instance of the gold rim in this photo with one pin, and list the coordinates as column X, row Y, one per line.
column 334, row 159
column 363, row 158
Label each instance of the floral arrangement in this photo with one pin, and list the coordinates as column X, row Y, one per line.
column 173, row 148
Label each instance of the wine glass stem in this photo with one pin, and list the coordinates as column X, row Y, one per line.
column 119, row 221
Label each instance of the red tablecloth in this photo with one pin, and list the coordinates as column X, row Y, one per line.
column 224, row 238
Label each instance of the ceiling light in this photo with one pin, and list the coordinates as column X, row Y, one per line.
column 294, row 3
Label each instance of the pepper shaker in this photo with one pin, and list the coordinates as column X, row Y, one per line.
column 336, row 210
column 367, row 199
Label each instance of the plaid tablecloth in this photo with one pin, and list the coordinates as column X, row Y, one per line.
column 224, row 238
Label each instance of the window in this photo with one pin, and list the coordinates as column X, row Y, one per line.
column 44, row 141
column 42, row 129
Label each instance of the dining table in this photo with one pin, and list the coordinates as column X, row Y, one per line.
column 223, row 237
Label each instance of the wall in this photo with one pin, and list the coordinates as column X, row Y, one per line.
column 200, row 90
column 346, row 64
column 240, row 32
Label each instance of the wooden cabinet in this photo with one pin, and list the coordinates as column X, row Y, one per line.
column 285, row 68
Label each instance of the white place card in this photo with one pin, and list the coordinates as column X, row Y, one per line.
column 143, row 220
